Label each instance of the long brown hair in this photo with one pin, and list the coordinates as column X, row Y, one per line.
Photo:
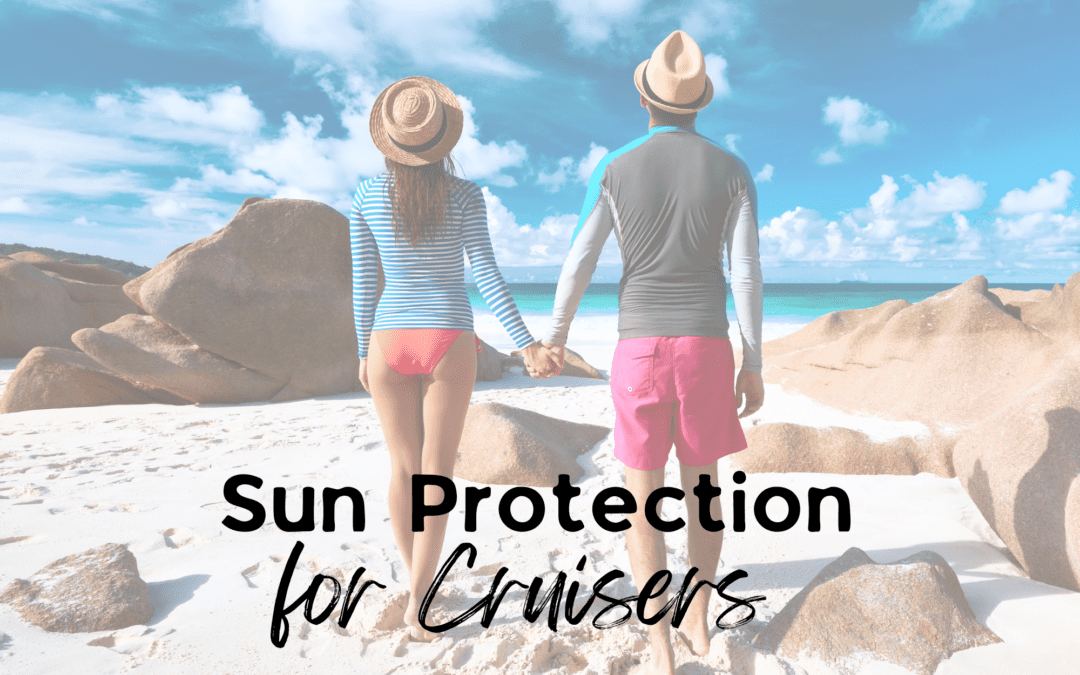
column 418, row 197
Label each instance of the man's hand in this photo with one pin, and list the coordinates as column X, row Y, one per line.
column 750, row 388
column 541, row 361
column 558, row 352
column 363, row 375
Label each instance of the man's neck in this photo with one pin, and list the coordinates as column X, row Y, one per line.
column 653, row 123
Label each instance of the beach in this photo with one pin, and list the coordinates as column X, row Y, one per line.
column 151, row 477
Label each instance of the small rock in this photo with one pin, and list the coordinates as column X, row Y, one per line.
column 49, row 377
column 911, row 613
column 503, row 445
column 96, row 590
column 141, row 349
column 783, row 447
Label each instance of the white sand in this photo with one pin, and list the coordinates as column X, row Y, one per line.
column 151, row 477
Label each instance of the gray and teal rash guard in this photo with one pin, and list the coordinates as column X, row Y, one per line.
column 675, row 200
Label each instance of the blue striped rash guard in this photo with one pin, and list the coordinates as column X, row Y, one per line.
column 425, row 285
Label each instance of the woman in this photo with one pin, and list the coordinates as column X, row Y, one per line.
column 417, row 346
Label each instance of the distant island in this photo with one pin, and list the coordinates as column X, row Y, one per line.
column 130, row 269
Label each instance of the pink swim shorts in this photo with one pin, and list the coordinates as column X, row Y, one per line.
column 677, row 390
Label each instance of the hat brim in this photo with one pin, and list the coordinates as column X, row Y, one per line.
column 455, row 120
column 639, row 75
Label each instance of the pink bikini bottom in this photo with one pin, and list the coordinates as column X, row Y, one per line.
column 416, row 351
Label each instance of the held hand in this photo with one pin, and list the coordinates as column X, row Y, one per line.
column 539, row 362
column 363, row 375
column 750, row 388
column 557, row 351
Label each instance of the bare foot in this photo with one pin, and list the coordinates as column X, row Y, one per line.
column 695, row 634
column 417, row 633
column 661, row 662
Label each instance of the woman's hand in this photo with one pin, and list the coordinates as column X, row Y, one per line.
column 363, row 375
column 542, row 360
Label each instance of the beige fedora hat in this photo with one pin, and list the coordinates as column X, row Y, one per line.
column 674, row 78
column 416, row 121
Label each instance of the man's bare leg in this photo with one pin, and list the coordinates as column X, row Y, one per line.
column 704, row 553
column 648, row 555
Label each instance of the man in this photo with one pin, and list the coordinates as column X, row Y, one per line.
column 675, row 201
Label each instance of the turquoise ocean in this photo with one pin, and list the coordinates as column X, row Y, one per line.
column 797, row 303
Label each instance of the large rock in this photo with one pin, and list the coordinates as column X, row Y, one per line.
column 91, row 274
column 502, row 445
column 49, row 377
column 1059, row 314
column 35, row 310
column 490, row 363
column 272, row 291
column 950, row 360
column 912, row 613
column 41, row 307
column 784, row 447
column 96, row 590
column 1021, row 467
column 1021, row 303
column 141, row 349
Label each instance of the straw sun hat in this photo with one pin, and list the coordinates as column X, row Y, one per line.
column 674, row 78
column 416, row 121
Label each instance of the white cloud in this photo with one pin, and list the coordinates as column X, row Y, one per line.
column 102, row 9
column 578, row 169
column 765, row 175
column 716, row 69
column 714, row 18
column 1047, row 195
column 486, row 161
column 906, row 230
column 857, row 122
column 968, row 239
column 590, row 22
column 886, row 216
column 356, row 34
column 201, row 118
column 803, row 235
column 82, row 221
column 15, row 205
column 553, row 181
column 830, row 156
column 934, row 17
column 905, row 248
column 547, row 244
column 729, row 142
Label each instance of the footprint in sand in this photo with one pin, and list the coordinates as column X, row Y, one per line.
column 179, row 537
column 133, row 642
column 264, row 572
column 312, row 642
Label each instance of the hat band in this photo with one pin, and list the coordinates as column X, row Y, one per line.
column 651, row 94
column 423, row 147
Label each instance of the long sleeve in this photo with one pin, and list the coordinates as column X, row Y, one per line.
column 489, row 280
column 580, row 264
column 745, row 270
column 365, row 266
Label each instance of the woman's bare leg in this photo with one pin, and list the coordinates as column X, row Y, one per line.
column 397, row 403
column 446, row 394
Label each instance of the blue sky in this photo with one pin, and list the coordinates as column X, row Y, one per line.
column 902, row 141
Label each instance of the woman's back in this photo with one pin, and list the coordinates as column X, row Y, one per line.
column 425, row 282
